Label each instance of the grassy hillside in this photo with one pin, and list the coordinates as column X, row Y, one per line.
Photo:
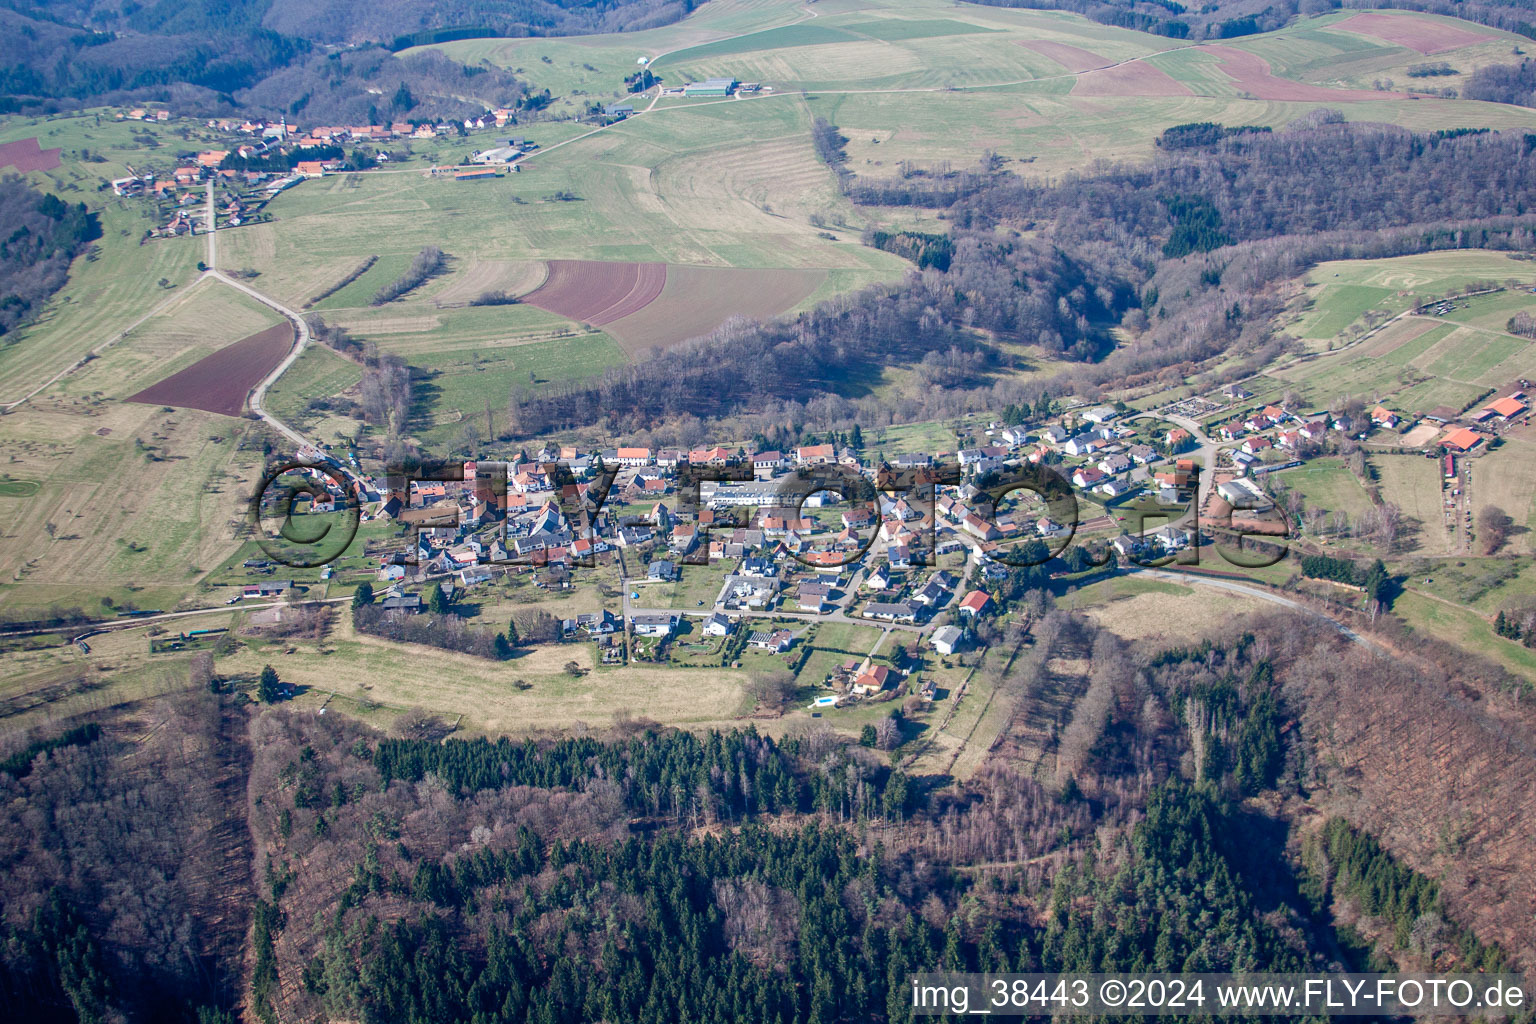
column 940, row 82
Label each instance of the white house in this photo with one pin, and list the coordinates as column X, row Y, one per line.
column 1087, row 476
column 634, row 456
column 1243, row 493
column 1077, row 446
column 766, row 464
column 979, row 527
column 1126, row 545
column 776, row 642
column 813, row 597
column 947, row 639
column 897, row 611
column 1114, row 463
column 1254, row 445
column 652, row 624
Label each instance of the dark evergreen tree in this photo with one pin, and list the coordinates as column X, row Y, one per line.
column 269, row 687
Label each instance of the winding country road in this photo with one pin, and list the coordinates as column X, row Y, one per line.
column 1207, row 454
column 212, row 273
column 301, row 330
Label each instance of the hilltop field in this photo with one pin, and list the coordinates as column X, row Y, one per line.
column 927, row 82
column 734, row 183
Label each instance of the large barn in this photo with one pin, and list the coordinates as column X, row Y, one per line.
column 710, row 87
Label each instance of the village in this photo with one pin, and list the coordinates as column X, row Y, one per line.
column 265, row 158
column 715, row 556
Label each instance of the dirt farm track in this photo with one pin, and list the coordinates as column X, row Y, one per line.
column 220, row 382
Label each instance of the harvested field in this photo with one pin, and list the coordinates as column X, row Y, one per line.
column 1253, row 74
column 1135, row 78
column 1399, row 334
column 391, row 325
column 1073, row 58
column 696, row 300
column 1185, row 617
column 219, row 383
column 511, row 276
column 25, row 156
column 1419, row 34
column 1507, row 478
column 598, row 293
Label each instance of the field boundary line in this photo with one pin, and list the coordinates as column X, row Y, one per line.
column 119, row 336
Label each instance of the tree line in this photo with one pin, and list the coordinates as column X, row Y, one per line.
column 1503, row 83
column 1352, row 864
column 1227, row 19
column 43, row 234
column 424, row 265
column 647, row 874
column 1181, row 252
column 283, row 57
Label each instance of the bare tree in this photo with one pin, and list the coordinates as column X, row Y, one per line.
column 1493, row 525
column 772, row 688
column 1111, row 664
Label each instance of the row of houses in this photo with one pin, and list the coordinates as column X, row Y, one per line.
column 527, row 508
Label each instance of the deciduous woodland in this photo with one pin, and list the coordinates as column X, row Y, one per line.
column 44, row 234
column 1504, row 83
column 1181, row 252
column 653, row 875
column 276, row 56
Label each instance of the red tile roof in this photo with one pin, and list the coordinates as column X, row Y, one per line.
column 976, row 600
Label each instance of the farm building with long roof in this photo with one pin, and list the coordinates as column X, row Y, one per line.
column 1507, row 408
column 710, row 87
column 1462, row 439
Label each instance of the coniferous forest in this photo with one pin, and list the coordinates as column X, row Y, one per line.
column 273, row 865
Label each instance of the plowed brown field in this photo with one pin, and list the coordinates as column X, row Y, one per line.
column 1136, row 78
column 1419, row 34
column 220, row 382
column 1252, row 72
column 646, row 306
column 696, row 300
column 1073, row 58
column 597, row 293
column 25, row 155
